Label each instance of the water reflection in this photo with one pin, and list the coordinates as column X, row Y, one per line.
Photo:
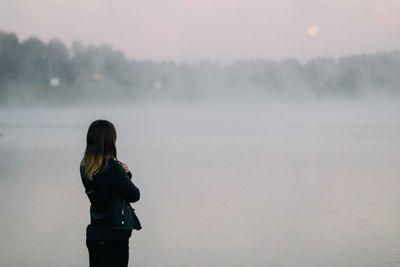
column 264, row 186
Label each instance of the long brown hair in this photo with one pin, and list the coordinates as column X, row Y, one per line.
column 100, row 146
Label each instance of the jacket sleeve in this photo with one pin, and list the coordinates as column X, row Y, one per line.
column 121, row 181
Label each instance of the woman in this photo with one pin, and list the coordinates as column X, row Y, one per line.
column 108, row 185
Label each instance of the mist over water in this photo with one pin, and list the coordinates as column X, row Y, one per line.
column 264, row 184
column 38, row 73
column 260, row 133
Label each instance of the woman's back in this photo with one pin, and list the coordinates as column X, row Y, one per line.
column 107, row 183
column 102, row 192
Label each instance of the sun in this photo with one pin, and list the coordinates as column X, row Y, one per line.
column 312, row 30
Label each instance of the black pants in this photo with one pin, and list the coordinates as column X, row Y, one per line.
column 108, row 253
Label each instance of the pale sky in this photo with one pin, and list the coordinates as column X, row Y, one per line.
column 218, row 30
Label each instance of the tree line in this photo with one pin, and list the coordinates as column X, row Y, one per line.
column 33, row 70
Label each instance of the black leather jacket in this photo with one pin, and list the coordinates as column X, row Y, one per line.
column 110, row 194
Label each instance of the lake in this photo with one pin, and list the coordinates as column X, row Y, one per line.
column 275, row 184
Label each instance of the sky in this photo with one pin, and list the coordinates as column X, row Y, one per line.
column 216, row 30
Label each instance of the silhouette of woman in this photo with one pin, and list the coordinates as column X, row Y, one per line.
column 109, row 187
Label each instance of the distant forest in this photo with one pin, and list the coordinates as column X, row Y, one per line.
column 33, row 71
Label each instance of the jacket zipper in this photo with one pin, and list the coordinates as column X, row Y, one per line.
column 123, row 207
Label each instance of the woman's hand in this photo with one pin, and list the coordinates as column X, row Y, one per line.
column 126, row 168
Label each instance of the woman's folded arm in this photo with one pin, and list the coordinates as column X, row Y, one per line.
column 122, row 183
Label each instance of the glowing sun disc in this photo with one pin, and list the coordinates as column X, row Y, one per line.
column 312, row 30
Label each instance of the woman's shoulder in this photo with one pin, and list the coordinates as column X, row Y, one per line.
column 82, row 167
column 112, row 164
column 107, row 165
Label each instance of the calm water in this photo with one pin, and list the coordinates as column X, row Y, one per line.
column 275, row 185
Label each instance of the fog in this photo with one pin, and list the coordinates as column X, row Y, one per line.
column 283, row 184
column 259, row 134
column 33, row 72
